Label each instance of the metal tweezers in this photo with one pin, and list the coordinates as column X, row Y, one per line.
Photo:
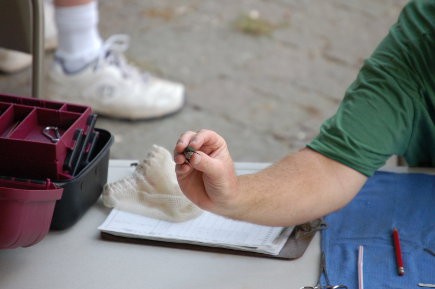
column 323, row 271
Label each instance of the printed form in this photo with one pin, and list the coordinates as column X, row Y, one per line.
column 206, row 230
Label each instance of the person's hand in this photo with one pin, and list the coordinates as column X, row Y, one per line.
column 208, row 178
column 299, row 188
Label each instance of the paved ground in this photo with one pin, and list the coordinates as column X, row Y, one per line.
column 265, row 89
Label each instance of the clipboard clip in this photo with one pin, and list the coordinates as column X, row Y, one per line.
column 310, row 228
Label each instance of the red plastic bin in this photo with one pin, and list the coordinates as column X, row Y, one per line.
column 25, row 148
column 26, row 211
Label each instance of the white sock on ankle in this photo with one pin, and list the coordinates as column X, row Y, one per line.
column 79, row 38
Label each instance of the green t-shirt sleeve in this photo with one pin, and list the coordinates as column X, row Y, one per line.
column 376, row 118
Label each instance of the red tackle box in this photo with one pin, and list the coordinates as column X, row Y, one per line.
column 26, row 209
column 53, row 166
column 28, row 129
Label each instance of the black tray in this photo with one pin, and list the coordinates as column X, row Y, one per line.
column 83, row 191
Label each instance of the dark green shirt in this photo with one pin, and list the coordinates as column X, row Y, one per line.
column 390, row 108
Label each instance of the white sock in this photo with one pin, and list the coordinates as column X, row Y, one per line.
column 79, row 38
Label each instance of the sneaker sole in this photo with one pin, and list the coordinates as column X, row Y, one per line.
column 151, row 118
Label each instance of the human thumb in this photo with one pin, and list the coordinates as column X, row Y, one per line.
column 206, row 164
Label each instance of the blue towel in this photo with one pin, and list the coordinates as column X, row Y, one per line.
column 387, row 200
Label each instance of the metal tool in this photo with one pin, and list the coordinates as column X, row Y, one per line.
column 426, row 285
column 52, row 133
column 328, row 283
column 360, row 267
column 310, row 228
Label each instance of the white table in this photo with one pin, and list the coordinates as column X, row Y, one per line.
column 77, row 258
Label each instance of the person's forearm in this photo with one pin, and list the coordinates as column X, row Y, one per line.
column 297, row 189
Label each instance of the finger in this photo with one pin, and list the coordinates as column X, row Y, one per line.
column 183, row 141
column 207, row 141
column 181, row 144
column 179, row 159
column 204, row 163
column 183, row 169
column 185, row 156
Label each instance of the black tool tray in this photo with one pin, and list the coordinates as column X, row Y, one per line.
column 82, row 191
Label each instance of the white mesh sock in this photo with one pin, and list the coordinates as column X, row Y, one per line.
column 152, row 190
column 79, row 41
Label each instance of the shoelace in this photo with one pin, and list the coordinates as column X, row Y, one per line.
column 112, row 52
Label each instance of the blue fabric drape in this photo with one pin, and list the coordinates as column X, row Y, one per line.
column 388, row 200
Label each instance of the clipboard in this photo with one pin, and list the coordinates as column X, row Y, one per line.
column 294, row 248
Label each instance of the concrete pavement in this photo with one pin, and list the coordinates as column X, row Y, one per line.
column 265, row 88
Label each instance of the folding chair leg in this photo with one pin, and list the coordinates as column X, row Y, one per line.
column 37, row 47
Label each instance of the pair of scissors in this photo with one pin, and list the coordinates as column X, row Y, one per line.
column 328, row 283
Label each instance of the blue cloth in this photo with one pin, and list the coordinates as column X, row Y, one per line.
column 387, row 200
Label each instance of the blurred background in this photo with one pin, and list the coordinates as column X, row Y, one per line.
column 264, row 74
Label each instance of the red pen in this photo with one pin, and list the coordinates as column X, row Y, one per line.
column 398, row 251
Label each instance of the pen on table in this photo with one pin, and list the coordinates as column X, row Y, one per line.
column 398, row 251
column 360, row 267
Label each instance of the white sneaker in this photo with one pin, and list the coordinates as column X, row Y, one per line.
column 12, row 61
column 114, row 88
